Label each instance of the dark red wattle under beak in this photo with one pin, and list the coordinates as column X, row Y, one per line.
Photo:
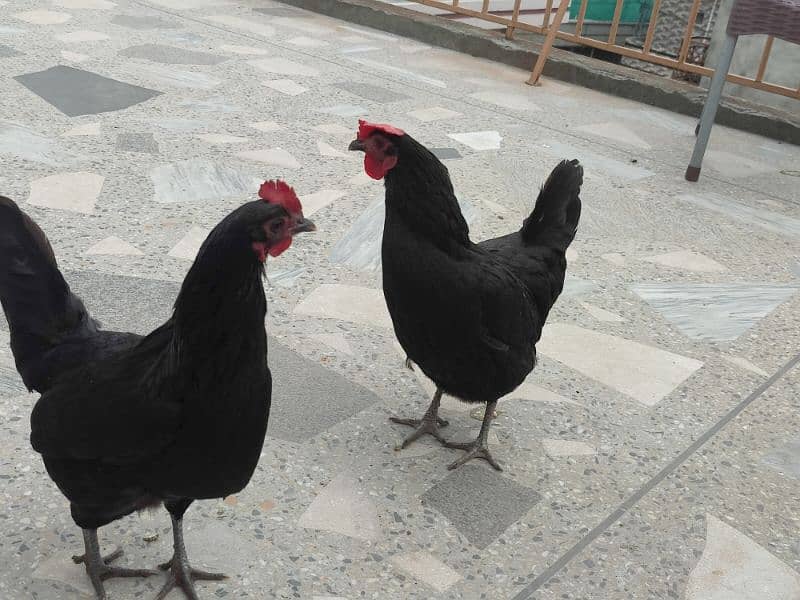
column 302, row 225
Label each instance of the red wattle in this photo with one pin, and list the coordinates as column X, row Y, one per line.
column 373, row 168
column 278, row 248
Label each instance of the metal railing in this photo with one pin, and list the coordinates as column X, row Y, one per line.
column 551, row 28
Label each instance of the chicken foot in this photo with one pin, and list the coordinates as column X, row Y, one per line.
column 430, row 423
column 97, row 566
column 477, row 448
column 181, row 573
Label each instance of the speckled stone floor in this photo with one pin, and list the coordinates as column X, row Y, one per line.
column 654, row 453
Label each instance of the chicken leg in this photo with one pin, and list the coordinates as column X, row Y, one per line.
column 477, row 448
column 430, row 423
column 97, row 566
column 181, row 573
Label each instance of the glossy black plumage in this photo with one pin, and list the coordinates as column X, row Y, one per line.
column 469, row 314
column 126, row 421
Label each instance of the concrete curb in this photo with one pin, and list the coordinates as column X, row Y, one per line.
column 562, row 65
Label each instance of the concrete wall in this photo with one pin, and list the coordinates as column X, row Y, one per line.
column 783, row 67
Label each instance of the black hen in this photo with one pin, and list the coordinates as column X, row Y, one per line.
column 126, row 422
column 467, row 314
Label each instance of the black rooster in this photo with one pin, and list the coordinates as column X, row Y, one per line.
column 126, row 422
column 467, row 314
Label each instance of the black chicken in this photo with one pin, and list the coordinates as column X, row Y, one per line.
column 467, row 314
column 126, row 422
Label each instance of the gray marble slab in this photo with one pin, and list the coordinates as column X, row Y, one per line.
column 27, row 144
column 360, row 247
column 766, row 219
column 199, row 179
column 10, row 382
column 785, row 459
column 715, row 312
column 170, row 55
column 142, row 23
column 137, row 142
column 307, row 398
column 8, row 51
column 77, row 92
column 445, row 153
column 480, row 502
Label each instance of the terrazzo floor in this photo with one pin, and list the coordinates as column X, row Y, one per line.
column 655, row 451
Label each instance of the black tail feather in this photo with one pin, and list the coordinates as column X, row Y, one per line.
column 37, row 302
column 554, row 220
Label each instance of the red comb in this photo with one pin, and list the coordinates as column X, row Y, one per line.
column 366, row 129
column 279, row 192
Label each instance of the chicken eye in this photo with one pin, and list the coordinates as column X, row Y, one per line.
column 276, row 226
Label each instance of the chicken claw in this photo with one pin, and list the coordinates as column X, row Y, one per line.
column 477, row 448
column 181, row 573
column 97, row 566
column 430, row 423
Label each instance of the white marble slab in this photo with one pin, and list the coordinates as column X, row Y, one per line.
column 356, row 304
column 428, row 569
column 325, row 149
column 343, row 507
column 114, row 246
column 645, row 373
column 333, row 340
column 478, row 140
column 199, row 179
column 271, row 156
column 687, row 260
column 601, row 314
column 266, row 126
column 751, row 215
column 615, row 258
column 315, row 202
column 285, row 86
column 75, row 192
column 360, row 247
column 616, row 132
column 75, row 57
column 575, row 287
column 716, row 312
column 404, row 73
column 559, row 448
column 172, row 76
column 83, row 130
column 27, row 144
column 434, row 113
column 734, row 567
column 345, row 110
column 43, row 17
column 744, row 364
column 188, row 246
column 283, row 66
column 533, row 393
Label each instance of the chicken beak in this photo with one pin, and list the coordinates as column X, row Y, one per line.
column 302, row 225
column 356, row 145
